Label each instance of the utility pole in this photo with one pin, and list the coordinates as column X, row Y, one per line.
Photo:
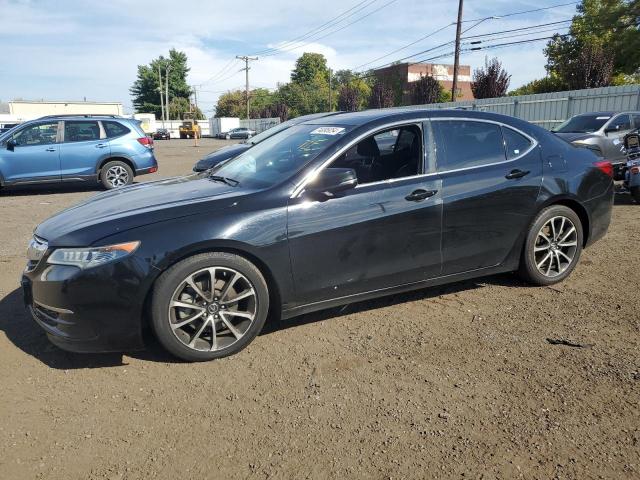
column 166, row 96
column 456, row 62
column 330, row 85
column 246, row 59
column 161, row 96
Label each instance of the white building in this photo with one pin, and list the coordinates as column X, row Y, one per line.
column 22, row 110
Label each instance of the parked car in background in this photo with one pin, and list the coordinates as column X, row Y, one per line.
column 605, row 130
column 231, row 151
column 313, row 217
column 632, row 170
column 5, row 127
column 241, row 132
column 162, row 134
column 64, row 148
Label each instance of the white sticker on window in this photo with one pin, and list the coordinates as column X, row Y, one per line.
column 603, row 118
column 327, row 131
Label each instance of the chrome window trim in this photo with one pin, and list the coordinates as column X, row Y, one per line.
column 299, row 188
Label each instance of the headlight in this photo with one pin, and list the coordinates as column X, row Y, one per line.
column 91, row 257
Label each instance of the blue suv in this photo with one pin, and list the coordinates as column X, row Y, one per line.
column 62, row 148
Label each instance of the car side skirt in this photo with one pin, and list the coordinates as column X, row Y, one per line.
column 432, row 282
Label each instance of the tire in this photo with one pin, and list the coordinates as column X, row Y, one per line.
column 635, row 193
column 561, row 252
column 237, row 322
column 116, row 174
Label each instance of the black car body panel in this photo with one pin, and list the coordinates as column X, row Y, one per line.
column 314, row 254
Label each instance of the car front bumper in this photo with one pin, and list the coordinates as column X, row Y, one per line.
column 94, row 310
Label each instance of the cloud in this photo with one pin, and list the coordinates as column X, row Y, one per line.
column 70, row 49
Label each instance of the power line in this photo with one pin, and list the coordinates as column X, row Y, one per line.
column 437, row 47
column 331, row 32
column 221, row 72
column 318, row 29
column 511, row 14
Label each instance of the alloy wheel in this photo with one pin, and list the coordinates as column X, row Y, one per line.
column 555, row 246
column 117, row 176
column 212, row 308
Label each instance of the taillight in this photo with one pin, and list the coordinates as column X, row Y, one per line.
column 604, row 167
column 146, row 141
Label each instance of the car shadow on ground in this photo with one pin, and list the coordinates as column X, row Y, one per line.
column 623, row 198
column 24, row 333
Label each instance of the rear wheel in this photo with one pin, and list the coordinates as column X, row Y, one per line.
column 209, row 306
column 553, row 246
column 635, row 193
column 116, row 174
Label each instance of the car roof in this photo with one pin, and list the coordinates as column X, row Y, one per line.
column 386, row 115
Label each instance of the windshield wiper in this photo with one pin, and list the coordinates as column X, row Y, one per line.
column 229, row 181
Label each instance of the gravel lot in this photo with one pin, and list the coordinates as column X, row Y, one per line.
column 449, row 382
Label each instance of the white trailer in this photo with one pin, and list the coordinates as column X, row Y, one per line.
column 221, row 125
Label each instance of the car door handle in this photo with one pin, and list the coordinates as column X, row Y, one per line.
column 516, row 174
column 51, row 149
column 420, row 194
column 102, row 145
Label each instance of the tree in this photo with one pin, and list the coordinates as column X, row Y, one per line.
column 491, row 81
column 349, row 98
column 146, row 89
column 550, row 83
column 309, row 67
column 581, row 64
column 381, row 96
column 426, row 90
column 231, row 104
column 602, row 44
column 178, row 106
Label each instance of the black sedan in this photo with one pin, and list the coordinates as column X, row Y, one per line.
column 312, row 218
column 162, row 134
column 230, row 151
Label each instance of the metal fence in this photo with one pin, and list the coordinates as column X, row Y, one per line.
column 551, row 109
column 260, row 124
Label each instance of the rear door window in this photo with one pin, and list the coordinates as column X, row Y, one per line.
column 621, row 122
column 115, row 129
column 467, row 143
column 515, row 143
column 81, row 131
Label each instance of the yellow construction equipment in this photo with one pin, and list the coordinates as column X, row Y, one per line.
column 190, row 127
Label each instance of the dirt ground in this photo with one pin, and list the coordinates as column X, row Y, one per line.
column 449, row 382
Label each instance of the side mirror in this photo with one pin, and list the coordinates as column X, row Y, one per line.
column 332, row 181
column 612, row 129
column 11, row 144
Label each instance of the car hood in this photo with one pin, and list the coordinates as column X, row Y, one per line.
column 218, row 156
column 134, row 206
column 573, row 136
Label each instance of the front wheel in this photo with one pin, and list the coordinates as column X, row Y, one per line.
column 553, row 246
column 635, row 193
column 116, row 174
column 209, row 306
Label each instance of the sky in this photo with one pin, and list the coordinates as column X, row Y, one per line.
column 71, row 50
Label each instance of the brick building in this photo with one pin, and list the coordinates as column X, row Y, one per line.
column 402, row 74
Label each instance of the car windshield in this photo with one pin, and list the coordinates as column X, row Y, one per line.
column 583, row 124
column 269, row 133
column 279, row 156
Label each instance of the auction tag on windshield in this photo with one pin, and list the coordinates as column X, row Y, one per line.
column 603, row 118
column 327, row 131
